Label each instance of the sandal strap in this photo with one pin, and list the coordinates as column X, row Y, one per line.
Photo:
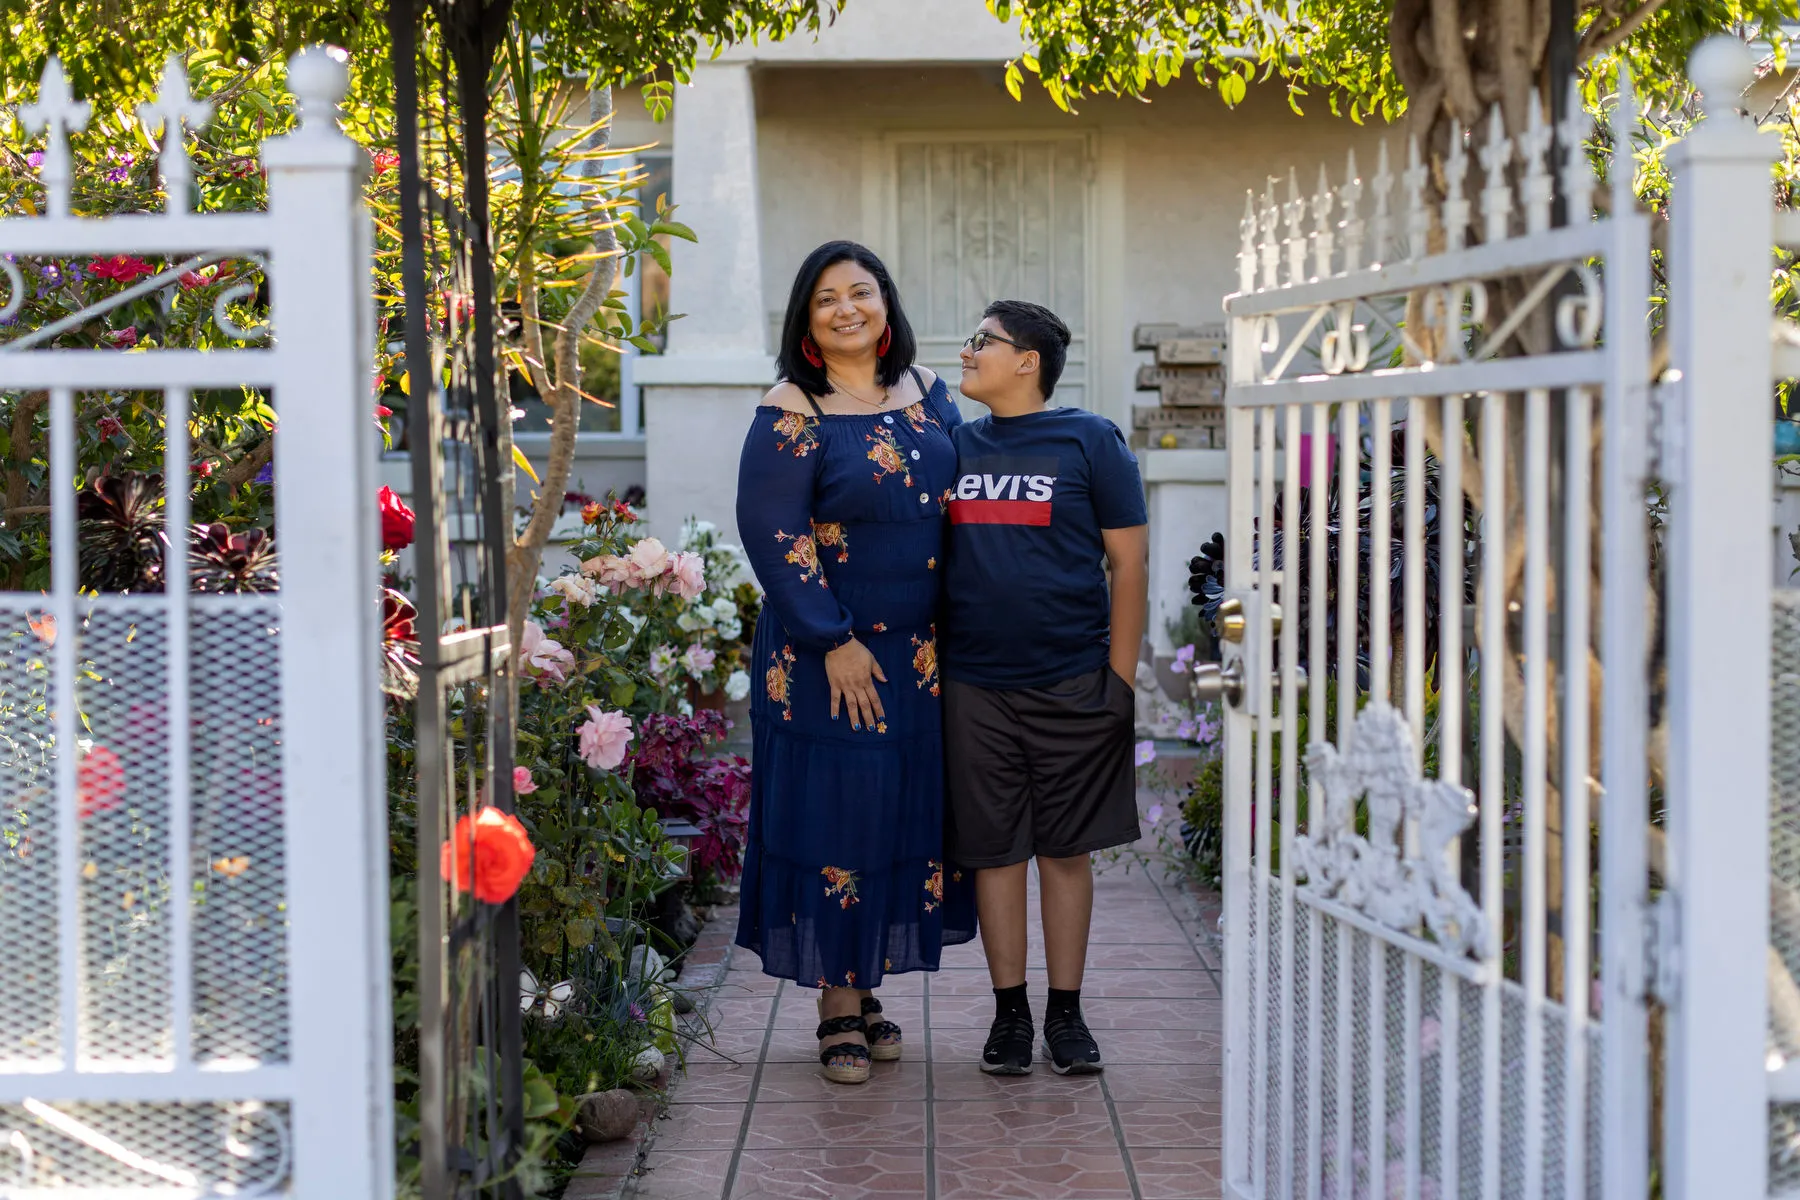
column 870, row 1005
column 835, row 1025
column 882, row 1029
column 844, row 1050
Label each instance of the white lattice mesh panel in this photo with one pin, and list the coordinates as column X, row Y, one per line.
column 1431, row 1068
column 1270, row 948
column 1512, row 1092
column 1361, row 1062
column 1556, row 1077
column 1596, row 1124
column 1390, row 1157
column 1784, row 876
column 201, row 1149
column 123, row 836
column 238, row 854
column 1471, row 1118
column 1330, row 979
column 1302, row 1065
column 30, row 1024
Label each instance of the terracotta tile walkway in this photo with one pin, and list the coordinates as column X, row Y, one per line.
column 932, row 1125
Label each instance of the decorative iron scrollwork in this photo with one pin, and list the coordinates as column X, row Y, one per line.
column 1345, row 346
column 1403, row 883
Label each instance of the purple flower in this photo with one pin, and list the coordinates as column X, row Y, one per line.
column 1145, row 753
column 1184, row 657
column 122, row 172
column 266, row 475
column 35, row 158
column 637, row 1014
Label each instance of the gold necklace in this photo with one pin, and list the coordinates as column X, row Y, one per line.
column 845, row 388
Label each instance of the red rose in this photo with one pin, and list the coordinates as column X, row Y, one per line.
column 190, row 280
column 501, row 858
column 123, row 267
column 127, row 336
column 111, row 427
column 396, row 520
column 99, row 781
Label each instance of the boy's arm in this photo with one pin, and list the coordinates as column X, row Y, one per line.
column 1128, row 559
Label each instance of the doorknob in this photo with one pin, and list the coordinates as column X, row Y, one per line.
column 1214, row 682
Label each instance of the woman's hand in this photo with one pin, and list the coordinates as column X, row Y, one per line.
column 853, row 671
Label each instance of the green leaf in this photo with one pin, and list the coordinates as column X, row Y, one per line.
column 1232, row 90
column 623, row 694
column 674, row 229
column 1014, row 78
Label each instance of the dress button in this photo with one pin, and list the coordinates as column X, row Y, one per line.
column 889, row 419
column 924, row 497
column 915, row 455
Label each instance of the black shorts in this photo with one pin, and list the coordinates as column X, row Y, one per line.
column 1039, row 771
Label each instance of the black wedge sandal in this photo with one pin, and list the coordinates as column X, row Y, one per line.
column 884, row 1036
column 857, row 1070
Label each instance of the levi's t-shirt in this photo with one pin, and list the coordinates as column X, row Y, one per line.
column 1026, row 603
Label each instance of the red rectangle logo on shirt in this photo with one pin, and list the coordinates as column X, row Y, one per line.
column 1000, row 512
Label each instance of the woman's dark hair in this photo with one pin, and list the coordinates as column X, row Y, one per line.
column 1035, row 327
column 791, row 364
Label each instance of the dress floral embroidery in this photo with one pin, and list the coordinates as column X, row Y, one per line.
column 919, row 419
column 878, row 627
column 925, row 661
column 887, row 456
column 842, row 884
column 780, row 663
column 796, row 433
column 803, row 554
column 934, row 885
column 931, row 563
column 831, row 535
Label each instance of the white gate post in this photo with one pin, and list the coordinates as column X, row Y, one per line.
column 1716, row 1118
column 331, row 641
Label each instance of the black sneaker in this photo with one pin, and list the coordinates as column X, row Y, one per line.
column 1069, row 1046
column 1008, row 1049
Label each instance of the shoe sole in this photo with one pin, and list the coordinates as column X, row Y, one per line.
column 1082, row 1067
column 988, row 1068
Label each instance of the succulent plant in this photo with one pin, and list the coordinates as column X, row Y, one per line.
column 225, row 562
column 122, row 535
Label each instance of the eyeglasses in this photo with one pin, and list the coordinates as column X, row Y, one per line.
column 978, row 341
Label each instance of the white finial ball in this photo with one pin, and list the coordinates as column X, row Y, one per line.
column 318, row 77
column 1721, row 67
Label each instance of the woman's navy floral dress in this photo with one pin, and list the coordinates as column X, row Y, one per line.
column 844, row 875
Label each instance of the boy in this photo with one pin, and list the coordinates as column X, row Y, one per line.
column 1038, row 663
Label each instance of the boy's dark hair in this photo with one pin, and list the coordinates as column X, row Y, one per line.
column 1035, row 327
column 790, row 362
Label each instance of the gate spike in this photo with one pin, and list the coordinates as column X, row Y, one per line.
column 1456, row 208
column 1624, row 130
column 1271, row 245
column 1351, row 196
column 1577, row 176
column 1539, row 188
column 59, row 114
column 175, row 111
column 1496, row 197
column 1247, row 244
column 1295, row 212
column 1383, row 183
column 1418, row 221
column 1323, row 239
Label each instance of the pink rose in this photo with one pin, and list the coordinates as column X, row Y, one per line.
column 604, row 736
column 650, row 558
column 522, row 782
column 698, row 660
column 544, row 654
column 611, row 572
column 687, row 574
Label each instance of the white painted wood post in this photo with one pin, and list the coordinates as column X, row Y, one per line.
column 1716, row 1117
column 332, row 712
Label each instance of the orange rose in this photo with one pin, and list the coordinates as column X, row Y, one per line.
column 503, row 854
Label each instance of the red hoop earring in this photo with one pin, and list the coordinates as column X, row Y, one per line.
column 810, row 350
column 887, row 339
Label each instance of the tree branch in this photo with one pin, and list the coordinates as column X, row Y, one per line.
column 246, row 468
column 1598, row 40
column 1453, row 61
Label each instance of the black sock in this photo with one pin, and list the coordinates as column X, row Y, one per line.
column 1011, row 1002
column 1063, row 1001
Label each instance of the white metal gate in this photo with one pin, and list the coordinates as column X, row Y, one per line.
column 1430, row 991
column 221, row 1026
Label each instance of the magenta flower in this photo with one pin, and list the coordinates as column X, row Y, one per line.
column 523, row 784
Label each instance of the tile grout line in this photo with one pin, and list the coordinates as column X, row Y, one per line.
column 737, row 1152
column 1118, row 1127
column 930, row 1097
column 1191, row 939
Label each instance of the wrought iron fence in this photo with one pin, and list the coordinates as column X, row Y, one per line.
column 469, row 1060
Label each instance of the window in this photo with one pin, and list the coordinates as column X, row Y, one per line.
column 982, row 220
column 605, row 374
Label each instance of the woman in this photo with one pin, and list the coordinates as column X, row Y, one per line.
column 841, row 493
